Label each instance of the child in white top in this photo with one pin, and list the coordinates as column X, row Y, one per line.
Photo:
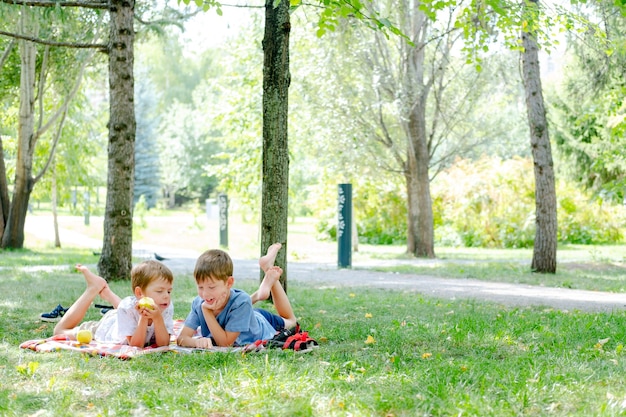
column 128, row 323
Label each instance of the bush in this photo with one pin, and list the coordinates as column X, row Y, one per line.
column 491, row 203
column 382, row 216
column 588, row 221
column 488, row 203
column 378, row 208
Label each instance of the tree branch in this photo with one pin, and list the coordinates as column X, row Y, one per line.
column 42, row 82
column 104, row 4
column 55, row 142
column 5, row 56
column 100, row 46
column 247, row 6
column 63, row 109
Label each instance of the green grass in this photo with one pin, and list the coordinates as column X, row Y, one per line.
column 591, row 276
column 429, row 357
column 46, row 256
column 597, row 268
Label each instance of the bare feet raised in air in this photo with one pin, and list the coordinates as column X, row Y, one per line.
column 95, row 282
column 267, row 261
column 272, row 275
column 76, row 313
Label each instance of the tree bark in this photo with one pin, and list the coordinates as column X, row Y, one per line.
column 13, row 236
column 4, row 192
column 276, row 80
column 420, row 230
column 544, row 252
column 116, row 259
column 55, row 216
column 15, row 211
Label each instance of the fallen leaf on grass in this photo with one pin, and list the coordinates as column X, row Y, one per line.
column 601, row 343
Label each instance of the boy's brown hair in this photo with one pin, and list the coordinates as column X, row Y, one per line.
column 213, row 264
column 144, row 273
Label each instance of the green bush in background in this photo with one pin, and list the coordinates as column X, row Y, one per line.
column 378, row 207
column 489, row 203
column 588, row 221
column 486, row 203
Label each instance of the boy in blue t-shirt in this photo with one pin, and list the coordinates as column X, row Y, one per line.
column 224, row 314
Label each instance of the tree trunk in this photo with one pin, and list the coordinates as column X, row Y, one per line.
column 355, row 236
column 544, row 252
column 116, row 259
column 4, row 192
column 171, row 196
column 276, row 79
column 55, row 217
column 420, row 232
column 14, row 212
column 13, row 236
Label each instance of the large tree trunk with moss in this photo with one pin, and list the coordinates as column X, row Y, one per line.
column 117, row 247
column 276, row 79
column 544, row 253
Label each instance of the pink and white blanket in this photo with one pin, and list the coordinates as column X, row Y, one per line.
column 59, row 343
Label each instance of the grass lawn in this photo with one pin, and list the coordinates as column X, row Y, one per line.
column 400, row 355
column 382, row 352
column 578, row 267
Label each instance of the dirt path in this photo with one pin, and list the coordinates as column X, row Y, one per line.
column 322, row 274
column 329, row 276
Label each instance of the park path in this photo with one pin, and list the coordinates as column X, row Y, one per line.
column 327, row 275
column 330, row 276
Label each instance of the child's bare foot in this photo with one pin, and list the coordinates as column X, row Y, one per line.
column 267, row 261
column 93, row 281
column 99, row 285
column 272, row 275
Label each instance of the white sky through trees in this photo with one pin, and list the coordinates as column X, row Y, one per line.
column 208, row 29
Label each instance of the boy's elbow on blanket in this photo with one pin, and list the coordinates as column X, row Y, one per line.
column 185, row 337
column 180, row 341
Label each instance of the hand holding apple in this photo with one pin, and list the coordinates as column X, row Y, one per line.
column 147, row 303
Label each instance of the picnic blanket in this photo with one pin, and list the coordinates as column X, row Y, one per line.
column 95, row 348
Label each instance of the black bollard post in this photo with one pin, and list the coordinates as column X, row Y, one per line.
column 222, row 201
column 344, row 226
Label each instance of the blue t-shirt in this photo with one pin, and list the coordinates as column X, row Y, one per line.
column 237, row 316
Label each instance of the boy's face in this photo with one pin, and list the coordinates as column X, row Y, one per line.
column 160, row 291
column 215, row 292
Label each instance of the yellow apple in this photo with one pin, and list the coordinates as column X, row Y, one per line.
column 146, row 302
column 84, row 336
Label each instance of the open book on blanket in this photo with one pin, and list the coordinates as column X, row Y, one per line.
column 59, row 343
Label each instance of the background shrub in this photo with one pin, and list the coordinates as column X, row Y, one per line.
column 488, row 203
column 491, row 203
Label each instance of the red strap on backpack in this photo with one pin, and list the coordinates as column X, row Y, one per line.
column 298, row 338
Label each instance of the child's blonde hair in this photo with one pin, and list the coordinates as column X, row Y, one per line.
column 145, row 273
column 213, row 264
